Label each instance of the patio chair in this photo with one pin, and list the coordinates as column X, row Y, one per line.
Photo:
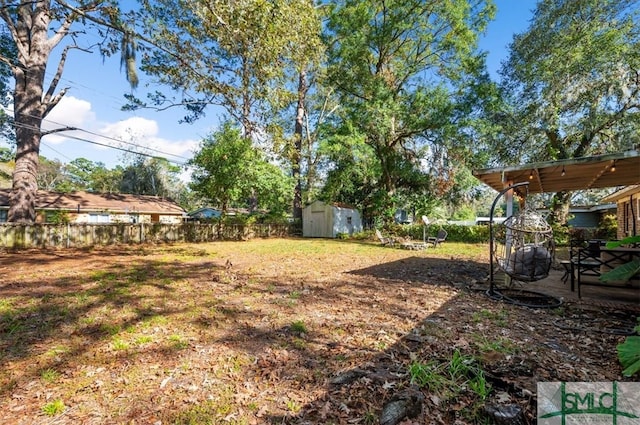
column 385, row 240
column 438, row 239
column 588, row 262
column 568, row 266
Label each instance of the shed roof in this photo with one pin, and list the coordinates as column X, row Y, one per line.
column 88, row 201
column 611, row 170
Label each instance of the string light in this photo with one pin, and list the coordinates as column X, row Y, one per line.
column 563, row 172
column 531, row 175
column 613, row 167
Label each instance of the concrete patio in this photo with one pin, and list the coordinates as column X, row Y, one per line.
column 627, row 298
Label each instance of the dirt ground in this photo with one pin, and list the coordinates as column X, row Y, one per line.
column 282, row 332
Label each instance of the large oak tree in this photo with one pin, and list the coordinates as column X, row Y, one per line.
column 573, row 84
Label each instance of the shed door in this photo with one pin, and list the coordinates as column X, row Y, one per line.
column 317, row 224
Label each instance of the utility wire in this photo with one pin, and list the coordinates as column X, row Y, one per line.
column 71, row 128
column 103, row 144
column 56, row 151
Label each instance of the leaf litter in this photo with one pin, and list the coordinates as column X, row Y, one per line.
column 211, row 333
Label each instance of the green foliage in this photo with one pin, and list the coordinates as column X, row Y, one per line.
column 573, row 89
column 629, row 240
column 58, row 217
column 469, row 234
column 608, row 227
column 51, row 175
column 229, row 171
column 465, row 212
column 353, row 173
column 53, row 408
column 151, row 176
column 238, row 55
column 298, row 327
column 50, row 375
column 561, row 234
column 455, row 233
column 629, row 354
column 239, row 219
column 379, row 55
column 625, row 271
column 450, row 378
column 6, row 154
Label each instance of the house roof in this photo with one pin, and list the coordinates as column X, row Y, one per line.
column 623, row 193
column 200, row 212
column 612, row 170
column 87, row 201
column 333, row 204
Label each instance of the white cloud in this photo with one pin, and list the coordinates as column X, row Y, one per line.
column 135, row 133
column 131, row 130
column 144, row 132
column 70, row 112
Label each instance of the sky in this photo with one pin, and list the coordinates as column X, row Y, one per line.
column 95, row 98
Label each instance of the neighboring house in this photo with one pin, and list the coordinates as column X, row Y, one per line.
column 485, row 221
column 320, row 220
column 86, row 207
column 585, row 217
column 206, row 213
column 403, row 216
column 210, row 213
column 589, row 217
column 628, row 202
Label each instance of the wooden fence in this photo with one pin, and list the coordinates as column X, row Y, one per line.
column 19, row 236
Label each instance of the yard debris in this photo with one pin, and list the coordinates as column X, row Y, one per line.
column 508, row 414
column 405, row 404
column 162, row 334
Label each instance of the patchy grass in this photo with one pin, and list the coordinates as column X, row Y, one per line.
column 259, row 332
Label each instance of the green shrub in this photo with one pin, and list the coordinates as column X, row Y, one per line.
column 58, row 217
column 455, row 233
column 608, row 228
column 561, row 234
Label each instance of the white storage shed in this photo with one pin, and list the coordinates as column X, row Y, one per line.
column 320, row 220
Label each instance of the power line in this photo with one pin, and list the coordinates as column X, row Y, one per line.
column 117, row 140
column 99, row 135
column 103, row 144
column 56, row 151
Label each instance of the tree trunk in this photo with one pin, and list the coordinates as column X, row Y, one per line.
column 25, row 184
column 297, row 154
column 29, row 111
column 560, row 208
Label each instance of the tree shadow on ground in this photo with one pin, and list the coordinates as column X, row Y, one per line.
column 193, row 338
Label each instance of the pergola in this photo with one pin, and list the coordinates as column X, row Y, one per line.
column 611, row 170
